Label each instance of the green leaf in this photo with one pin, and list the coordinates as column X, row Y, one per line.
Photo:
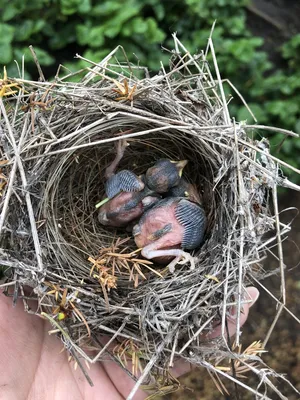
column 243, row 49
column 66, row 35
column 84, row 6
column 9, row 11
column 115, row 24
column 136, row 25
column 159, row 11
column 6, row 33
column 69, row 7
column 153, row 34
column 236, row 25
column 92, row 36
column 290, row 48
column 258, row 111
column 6, row 53
column 28, row 28
column 297, row 128
column 43, row 56
column 106, row 8
column 24, row 31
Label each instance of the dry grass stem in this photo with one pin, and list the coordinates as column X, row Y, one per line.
column 90, row 281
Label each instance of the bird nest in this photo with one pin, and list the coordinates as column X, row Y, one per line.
column 90, row 281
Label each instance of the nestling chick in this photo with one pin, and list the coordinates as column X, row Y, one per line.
column 125, row 208
column 186, row 190
column 164, row 175
column 123, row 181
column 168, row 227
column 124, row 202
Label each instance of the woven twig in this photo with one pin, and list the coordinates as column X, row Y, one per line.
column 58, row 138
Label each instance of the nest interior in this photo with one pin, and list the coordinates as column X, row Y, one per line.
column 77, row 183
column 58, row 138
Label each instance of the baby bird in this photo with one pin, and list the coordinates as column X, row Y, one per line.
column 125, row 208
column 129, row 196
column 123, row 181
column 186, row 190
column 164, row 175
column 171, row 225
column 126, row 198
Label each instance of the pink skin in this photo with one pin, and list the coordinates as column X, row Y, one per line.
column 122, row 217
column 151, row 252
column 167, row 246
column 33, row 368
column 120, row 147
column 116, row 205
column 156, row 220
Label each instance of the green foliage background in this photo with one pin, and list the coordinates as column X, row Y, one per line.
column 60, row 28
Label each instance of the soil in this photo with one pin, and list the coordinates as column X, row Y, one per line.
column 283, row 347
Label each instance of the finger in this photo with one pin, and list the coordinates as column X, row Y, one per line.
column 181, row 367
column 32, row 365
column 252, row 296
column 20, row 345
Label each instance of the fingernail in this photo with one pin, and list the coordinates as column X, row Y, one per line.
column 253, row 294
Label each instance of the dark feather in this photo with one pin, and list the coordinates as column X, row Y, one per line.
column 193, row 219
column 123, row 181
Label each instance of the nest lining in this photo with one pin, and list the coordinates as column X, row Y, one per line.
column 57, row 156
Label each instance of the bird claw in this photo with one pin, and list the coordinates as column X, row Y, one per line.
column 187, row 258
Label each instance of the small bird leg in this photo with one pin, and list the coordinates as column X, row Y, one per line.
column 121, row 146
column 150, row 252
column 186, row 258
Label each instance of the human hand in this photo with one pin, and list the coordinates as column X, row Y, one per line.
column 33, row 367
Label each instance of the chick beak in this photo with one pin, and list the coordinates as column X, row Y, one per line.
column 180, row 165
column 98, row 205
